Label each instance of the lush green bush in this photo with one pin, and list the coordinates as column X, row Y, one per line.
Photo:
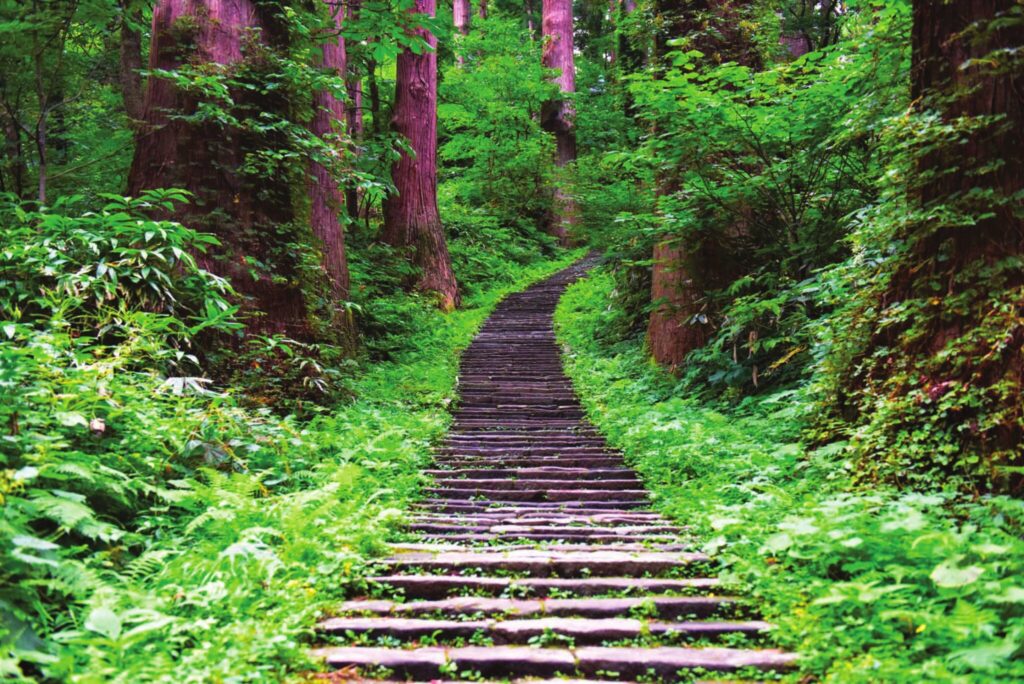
column 154, row 526
column 868, row 585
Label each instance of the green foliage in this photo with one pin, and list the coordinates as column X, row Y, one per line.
column 494, row 156
column 89, row 268
column 763, row 166
column 868, row 586
column 154, row 524
column 923, row 370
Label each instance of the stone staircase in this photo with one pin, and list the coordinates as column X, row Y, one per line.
column 539, row 556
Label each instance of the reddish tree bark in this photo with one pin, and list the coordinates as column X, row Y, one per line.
column 131, row 60
column 325, row 195
column 461, row 13
column 557, row 116
column 411, row 217
column 965, row 284
column 679, row 323
column 483, row 9
column 203, row 158
column 354, row 86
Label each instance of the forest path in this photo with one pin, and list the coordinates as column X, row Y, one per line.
column 539, row 556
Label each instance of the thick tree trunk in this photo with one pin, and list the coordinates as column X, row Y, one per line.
column 461, row 13
column 411, row 217
column 325, row 195
column 965, row 283
column 675, row 328
column 243, row 212
column 354, row 112
column 558, row 116
column 130, row 75
column 679, row 322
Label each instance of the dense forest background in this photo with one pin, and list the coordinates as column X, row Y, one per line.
column 242, row 243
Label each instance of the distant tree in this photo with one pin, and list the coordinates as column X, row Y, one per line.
column 557, row 116
column 461, row 17
column 411, row 216
column 354, row 114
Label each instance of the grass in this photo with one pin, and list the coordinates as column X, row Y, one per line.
column 868, row 585
column 223, row 576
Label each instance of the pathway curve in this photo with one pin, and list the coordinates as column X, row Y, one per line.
column 540, row 557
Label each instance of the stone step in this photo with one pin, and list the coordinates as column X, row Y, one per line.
column 541, row 472
column 589, row 496
column 506, row 528
column 663, row 607
column 545, row 518
column 584, row 508
column 541, row 563
column 563, row 484
column 518, row 440
column 485, row 542
column 581, row 631
column 571, row 541
column 530, row 461
column 519, row 661
column 443, row 586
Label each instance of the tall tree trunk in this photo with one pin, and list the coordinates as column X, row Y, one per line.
column 461, row 13
column 679, row 322
column 374, row 88
column 483, row 9
column 411, row 217
column 130, row 74
column 629, row 57
column 558, row 116
column 325, row 195
column 245, row 213
column 962, row 279
column 354, row 88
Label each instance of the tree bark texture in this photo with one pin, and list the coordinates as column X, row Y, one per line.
column 411, row 216
column 130, row 75
column 354, row 112
column 203, row 158
column 326, row 201
column 557, row 116
column 461, row 14
column 679, row 322
column 966, row 283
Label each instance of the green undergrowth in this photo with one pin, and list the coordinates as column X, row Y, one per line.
column 156, row 527
column 868, row 586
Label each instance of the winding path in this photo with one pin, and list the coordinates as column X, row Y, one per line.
column 539, row 555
